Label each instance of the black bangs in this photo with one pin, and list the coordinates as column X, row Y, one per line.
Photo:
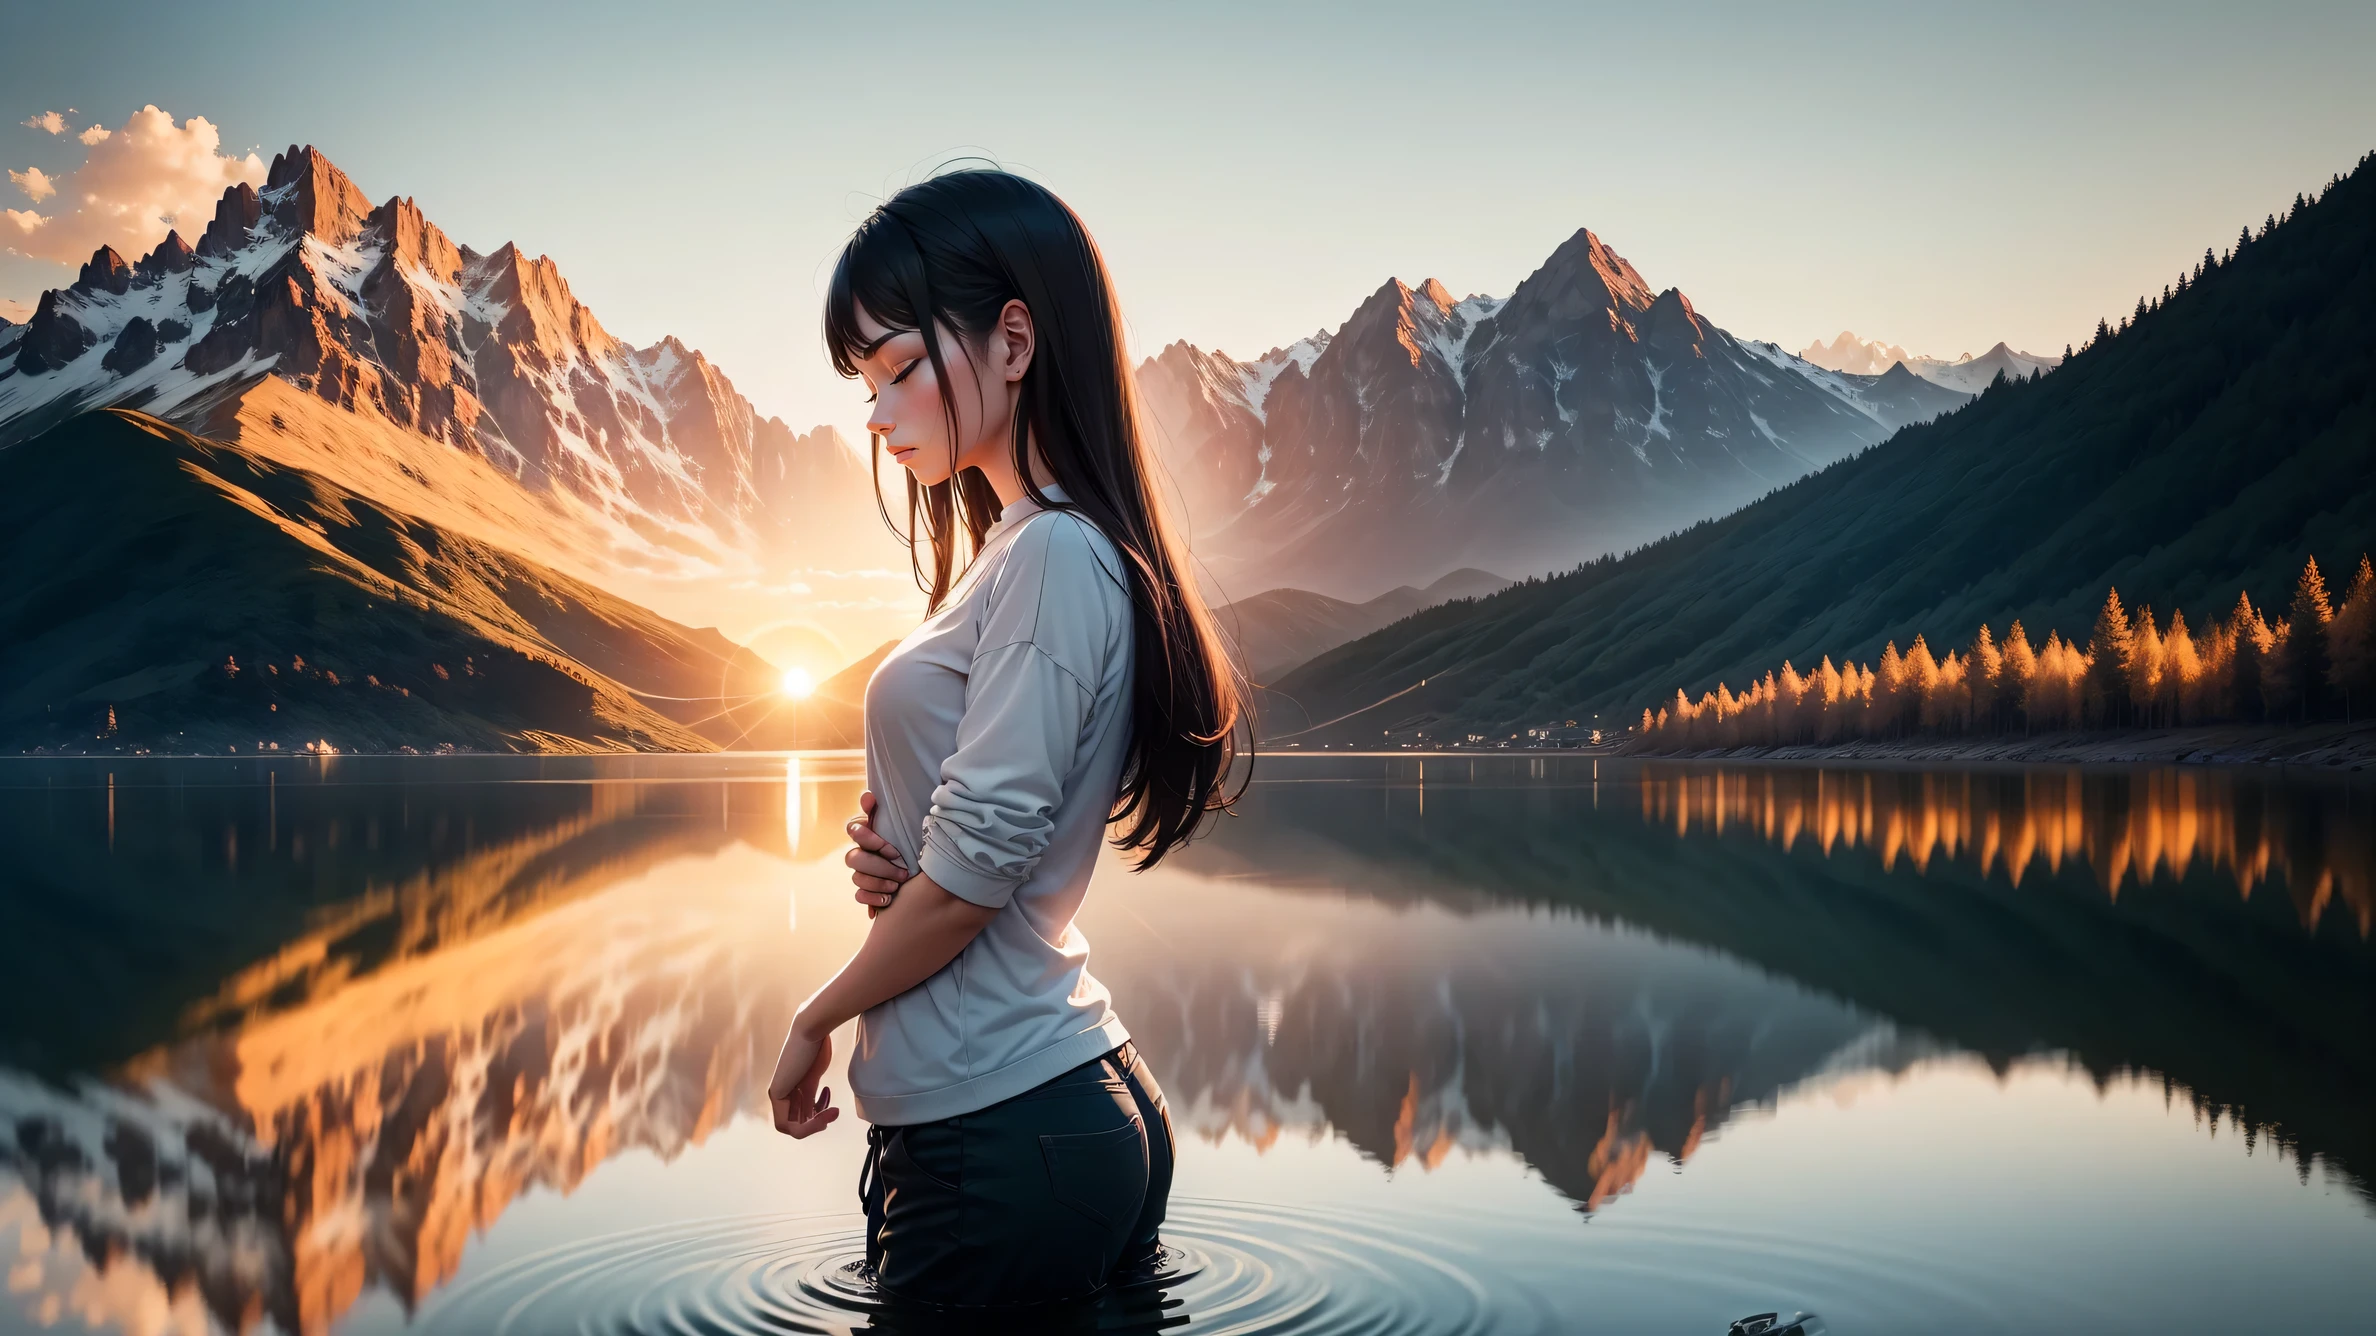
column 880, row 270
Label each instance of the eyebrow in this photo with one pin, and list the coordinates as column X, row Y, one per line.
column 873, row 346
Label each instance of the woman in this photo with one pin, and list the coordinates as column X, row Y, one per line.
column 1066, row 677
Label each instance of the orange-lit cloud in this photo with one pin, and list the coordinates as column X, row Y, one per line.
column 50, row 121
column 136, row 183
column 35, row 182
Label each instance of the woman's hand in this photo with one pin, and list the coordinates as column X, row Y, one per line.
column 876, row 867
column 800, row 1108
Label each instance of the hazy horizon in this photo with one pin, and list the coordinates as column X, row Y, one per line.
column 1934, row 185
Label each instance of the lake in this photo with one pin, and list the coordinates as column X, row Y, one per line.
column 1454, row 1044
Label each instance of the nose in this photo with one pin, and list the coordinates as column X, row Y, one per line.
column 879, row 423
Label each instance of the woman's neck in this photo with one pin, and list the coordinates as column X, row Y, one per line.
column 1003, row 478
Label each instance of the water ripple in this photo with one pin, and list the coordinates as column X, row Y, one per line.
column 1246, row 1269
column 1228, row 1268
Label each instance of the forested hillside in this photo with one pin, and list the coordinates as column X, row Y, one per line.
column 2206, row 443
column 176, row 594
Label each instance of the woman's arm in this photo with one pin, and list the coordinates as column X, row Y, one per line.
column 921, row 931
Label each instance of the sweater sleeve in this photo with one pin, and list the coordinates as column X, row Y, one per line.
column 1048, row 633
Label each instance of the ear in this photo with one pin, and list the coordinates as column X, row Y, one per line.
column 1014, row 340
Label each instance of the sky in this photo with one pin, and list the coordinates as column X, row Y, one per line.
column 1937, row 180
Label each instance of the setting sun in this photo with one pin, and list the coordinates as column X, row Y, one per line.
column 797, row 683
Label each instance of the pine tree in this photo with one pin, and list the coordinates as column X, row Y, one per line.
column 1891, row 695
column 1984, row 677
column 2182, row 668
column 2351, row 643
column 2111, row 648
column 2020, row 672
column 2251, row 641
column 2145, row 668
column 2304, row 662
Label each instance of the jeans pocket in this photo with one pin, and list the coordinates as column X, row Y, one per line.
column 1103, row 1175
column 925, row 1153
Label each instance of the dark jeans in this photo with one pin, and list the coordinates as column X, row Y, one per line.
column 1038, row 1198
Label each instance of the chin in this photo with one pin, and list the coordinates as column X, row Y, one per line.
column 921, row 468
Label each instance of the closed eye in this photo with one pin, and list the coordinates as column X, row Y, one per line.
column 901, row 374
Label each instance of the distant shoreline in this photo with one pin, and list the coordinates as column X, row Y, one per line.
column 2331, row 746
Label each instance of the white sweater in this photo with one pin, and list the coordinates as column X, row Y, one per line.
column 994, row 740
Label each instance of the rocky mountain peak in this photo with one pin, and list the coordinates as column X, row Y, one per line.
column 1672, row 321
column 238, row 210
column 544, row 315
column 1396, row 323
column 412, row 241
column 310, row 195
column 172, row 256
column 1587, row 268
column 53, row 337
column 106, row 272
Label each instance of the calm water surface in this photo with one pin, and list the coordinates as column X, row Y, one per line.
column 1492, row 1045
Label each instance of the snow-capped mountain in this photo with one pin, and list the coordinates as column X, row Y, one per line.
column 1584, row 413
column 1857, row 357
column 1972, row 374
column 1967, row 374
column 375, row 311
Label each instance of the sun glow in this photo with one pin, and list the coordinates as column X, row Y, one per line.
column 797, row 683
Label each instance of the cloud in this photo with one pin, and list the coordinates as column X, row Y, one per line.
column 35, row 183
column 134, row 184
column 50, row 121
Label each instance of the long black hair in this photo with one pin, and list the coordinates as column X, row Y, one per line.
column 951, row 252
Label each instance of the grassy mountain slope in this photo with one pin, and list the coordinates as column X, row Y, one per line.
column 2207, row 448
column 145, row 563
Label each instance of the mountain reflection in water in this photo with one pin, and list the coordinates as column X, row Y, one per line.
column 279, row 1033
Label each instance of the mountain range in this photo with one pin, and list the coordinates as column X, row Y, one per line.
column 308, row 326
column 2207, row 444
column 1584, row 413
column 373, row 309
column 356, row 359
column 1855, row 356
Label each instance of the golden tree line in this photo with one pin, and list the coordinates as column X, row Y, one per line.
column 2318, row 662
